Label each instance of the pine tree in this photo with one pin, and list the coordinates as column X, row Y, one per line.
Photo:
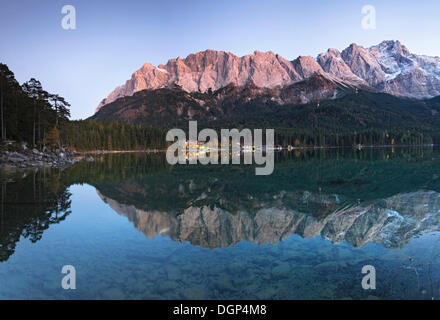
column 9, row 89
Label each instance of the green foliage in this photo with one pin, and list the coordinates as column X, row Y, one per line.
column 87, row 135
column 27, row 112
column 373, row 137
column 30, row 114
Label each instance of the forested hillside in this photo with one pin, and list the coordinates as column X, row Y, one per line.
column 362, row 117
column 32, row 115
column 98, row 135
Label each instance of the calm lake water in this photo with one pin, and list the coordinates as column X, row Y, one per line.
column 136, row 228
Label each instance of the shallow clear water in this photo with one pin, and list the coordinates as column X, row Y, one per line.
column 135, row 228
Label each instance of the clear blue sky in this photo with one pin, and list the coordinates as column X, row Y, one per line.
column 114, row 38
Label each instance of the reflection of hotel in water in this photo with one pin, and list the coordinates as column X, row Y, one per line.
column 201, row 146
column 196, row 145
column 193, row 146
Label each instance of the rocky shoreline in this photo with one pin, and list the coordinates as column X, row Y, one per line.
column 122, row 151
column 23, row 157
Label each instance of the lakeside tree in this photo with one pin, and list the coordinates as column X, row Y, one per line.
column 9, row 99
column 28, row 112
column 40, row 107
column 61, row 106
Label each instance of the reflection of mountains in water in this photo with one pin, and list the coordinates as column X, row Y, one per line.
column 216, row 206
column 392, row 221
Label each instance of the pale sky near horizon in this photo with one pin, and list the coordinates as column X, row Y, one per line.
column 114, row 38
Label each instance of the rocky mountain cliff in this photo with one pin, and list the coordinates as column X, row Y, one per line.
column 388, row 67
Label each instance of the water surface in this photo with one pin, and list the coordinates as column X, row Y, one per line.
column 137, row 228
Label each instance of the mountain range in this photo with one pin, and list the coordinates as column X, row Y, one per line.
column 212, row 86
column 387, row 67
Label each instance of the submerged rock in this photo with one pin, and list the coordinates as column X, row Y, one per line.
column 195, row 293
column 283, row 270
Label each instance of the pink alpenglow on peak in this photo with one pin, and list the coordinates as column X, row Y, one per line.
column 387, row 67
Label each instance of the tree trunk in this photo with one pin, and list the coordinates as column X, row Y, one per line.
column 56, row 115
column 1, row 114
column 33, row 127
column 39, row 126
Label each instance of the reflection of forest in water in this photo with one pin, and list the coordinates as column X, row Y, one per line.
column 315, row 183
column 30, row 203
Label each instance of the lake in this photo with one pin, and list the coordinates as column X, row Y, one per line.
column 134, row 227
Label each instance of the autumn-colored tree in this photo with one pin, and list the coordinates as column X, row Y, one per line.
column 52, row 137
